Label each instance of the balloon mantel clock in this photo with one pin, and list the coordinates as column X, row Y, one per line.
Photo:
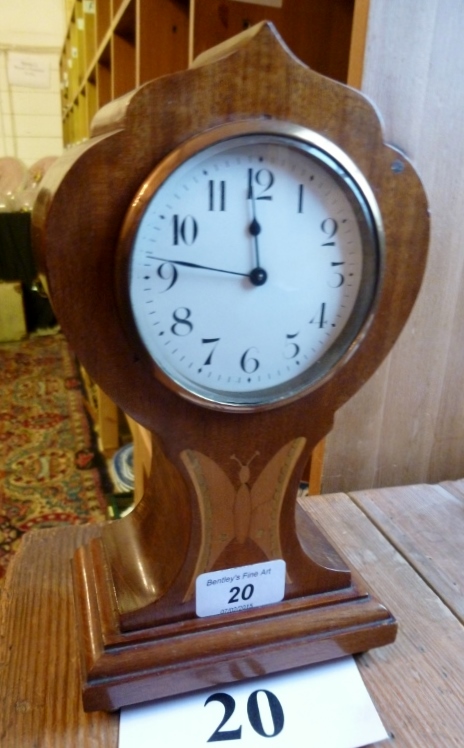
column 231, row 255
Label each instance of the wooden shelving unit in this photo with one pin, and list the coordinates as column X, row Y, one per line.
column 113, row 46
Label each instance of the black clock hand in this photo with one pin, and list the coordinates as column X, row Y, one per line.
column 183, row 263
column 257, row 277
column 254, row 227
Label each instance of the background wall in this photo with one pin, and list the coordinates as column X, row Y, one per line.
column 407, row 424
column 30, row 118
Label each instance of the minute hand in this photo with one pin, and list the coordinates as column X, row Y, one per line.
column 183, row 263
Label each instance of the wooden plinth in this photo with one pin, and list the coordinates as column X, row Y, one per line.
column 406, row 542
column 119, row 669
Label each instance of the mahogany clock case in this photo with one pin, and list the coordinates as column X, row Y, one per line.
column 134, row 587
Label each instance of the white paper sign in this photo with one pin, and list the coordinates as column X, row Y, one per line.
column 242, row 588
column 323, row 706
column 28, row 70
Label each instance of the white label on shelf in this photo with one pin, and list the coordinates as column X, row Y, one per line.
column 242, row 588
column 322, row 706
column 89, row 7
column 29, row 70
column 74, row 53
column 80, row 24
column 269, row 3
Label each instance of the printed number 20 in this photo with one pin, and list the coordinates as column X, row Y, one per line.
column 246, row 593
column 254, row 715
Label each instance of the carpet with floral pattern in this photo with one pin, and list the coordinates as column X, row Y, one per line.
column 51, row 471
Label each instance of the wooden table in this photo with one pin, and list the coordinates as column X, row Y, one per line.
column 408, row 543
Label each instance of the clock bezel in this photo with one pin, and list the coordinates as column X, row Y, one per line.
column 354, row 331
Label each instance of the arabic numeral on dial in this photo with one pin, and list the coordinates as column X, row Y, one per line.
column 329, row 227
column 338, row 278
column 248, row 363
column 184, row 231
column 210, row 341
column 182, row 325
column 263, row 179
column 216, row 195
column 292, row 349
column 264, row 711
column 319, row 319
column 167, row 272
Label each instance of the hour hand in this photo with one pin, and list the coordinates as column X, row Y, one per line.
column 254, row 227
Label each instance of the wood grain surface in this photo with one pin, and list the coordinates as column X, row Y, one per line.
column 407, row 424
column 319, row 34
column 40, row 690
column 416, row 683
column 426, row 524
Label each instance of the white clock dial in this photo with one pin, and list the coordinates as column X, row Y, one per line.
column 252, row 269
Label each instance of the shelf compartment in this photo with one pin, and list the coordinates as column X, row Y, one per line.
column 124, row 52
column 319, row 34
column 163, row 27
column 104, row 82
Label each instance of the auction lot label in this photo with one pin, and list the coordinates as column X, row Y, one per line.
column 242, row 588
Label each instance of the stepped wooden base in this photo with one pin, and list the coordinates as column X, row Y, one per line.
column 119, row 669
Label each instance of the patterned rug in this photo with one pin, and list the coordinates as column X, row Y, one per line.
column 51, row 472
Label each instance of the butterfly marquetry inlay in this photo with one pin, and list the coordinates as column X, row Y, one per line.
column 246, row 513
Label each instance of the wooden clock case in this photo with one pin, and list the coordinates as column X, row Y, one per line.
column 134, row 587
